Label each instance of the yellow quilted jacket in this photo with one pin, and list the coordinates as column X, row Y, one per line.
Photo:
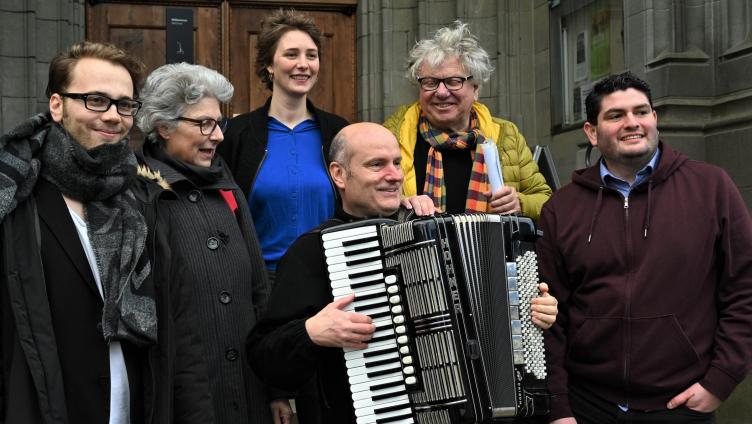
column 518, row 168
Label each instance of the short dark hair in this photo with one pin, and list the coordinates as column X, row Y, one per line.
column 609, row 85
column 62, row 65
column 273, row 27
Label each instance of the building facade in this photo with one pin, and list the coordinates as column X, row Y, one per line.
column 33, row 32
column 696, row 55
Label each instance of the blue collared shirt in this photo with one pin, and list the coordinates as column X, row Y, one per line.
column 612, row 181
column 292, row 192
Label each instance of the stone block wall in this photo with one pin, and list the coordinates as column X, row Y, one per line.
column 32, row 32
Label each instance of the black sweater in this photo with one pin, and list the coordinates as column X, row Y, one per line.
column 279, row 348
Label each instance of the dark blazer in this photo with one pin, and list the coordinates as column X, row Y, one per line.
column 55, row 362
column 60, row 319
column 76, row 312
column 247, row 135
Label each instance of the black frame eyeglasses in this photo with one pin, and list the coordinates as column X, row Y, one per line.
column 451, row 83
column 96, row 102
column 206, row 125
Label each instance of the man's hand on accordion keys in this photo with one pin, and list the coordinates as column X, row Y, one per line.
column 544, row 308
column 333, row 327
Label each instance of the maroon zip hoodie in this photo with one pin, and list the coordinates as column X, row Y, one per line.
column 655, row 290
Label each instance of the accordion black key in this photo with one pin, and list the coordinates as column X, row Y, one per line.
column 450, row 299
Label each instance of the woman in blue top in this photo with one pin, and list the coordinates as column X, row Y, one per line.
column 278, row 153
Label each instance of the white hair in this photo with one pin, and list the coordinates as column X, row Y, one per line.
column 455, row 41
column 173, row 87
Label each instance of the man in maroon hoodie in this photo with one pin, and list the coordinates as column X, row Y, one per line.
column 650, row 255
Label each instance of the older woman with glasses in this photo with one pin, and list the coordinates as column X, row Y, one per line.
column 440, row 134
column 440, row 137
column 210, row 220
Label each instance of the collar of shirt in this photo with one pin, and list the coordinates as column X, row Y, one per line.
column 612, row 181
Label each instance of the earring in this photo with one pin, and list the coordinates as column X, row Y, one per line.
column 271, row 76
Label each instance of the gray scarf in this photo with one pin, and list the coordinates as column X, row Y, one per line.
column 99, row 178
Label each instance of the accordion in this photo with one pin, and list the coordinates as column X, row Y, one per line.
column 450, row 299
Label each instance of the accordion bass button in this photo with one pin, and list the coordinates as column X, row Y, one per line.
column 392, row 289
column 407, row 360
column 409, row 370
column 399, row 319
column 400, row 329
column 402, row 340
column 411, row 381
column 404, row 350
column 394, row 300
column 390, row 279
column 397, row 309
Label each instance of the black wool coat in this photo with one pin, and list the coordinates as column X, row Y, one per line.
column 227, row 278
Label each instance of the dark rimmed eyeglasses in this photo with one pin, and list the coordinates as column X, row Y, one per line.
column 206, row 125
column 101, row 103
column 451, row 83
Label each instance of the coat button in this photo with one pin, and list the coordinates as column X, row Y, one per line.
column 212, row 243
column 225, row 298
column 231, row 354
column 194, row 195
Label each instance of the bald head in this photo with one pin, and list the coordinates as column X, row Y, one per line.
column 366, row 169
column 352, row 137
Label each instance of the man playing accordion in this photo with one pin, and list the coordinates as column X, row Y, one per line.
column 304, row 332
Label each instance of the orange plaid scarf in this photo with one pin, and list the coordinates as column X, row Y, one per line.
column 439, row 140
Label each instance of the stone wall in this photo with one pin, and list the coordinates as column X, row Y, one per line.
column 696, row 56
column 33, row 32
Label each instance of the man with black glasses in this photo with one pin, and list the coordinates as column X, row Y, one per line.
column 80, row 288
column 442, row 134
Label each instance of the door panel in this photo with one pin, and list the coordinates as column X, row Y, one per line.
column 140, row 30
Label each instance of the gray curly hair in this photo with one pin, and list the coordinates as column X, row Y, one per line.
column 173, row 87
column 455, row 41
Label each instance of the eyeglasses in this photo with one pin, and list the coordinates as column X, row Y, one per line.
column 451, row 83
column 207, row 125
column 100, row 103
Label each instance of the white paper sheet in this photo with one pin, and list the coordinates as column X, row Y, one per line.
column 493, row 165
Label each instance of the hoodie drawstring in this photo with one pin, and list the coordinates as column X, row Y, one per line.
column 646, row 221
column 594, row 218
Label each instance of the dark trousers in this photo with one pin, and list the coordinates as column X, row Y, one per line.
column 589, row 408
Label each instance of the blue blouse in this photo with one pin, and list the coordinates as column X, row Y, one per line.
column 292, row 192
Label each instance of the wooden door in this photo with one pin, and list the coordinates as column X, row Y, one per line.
column 225, row 34
column 140, row 30
column 336, row 86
